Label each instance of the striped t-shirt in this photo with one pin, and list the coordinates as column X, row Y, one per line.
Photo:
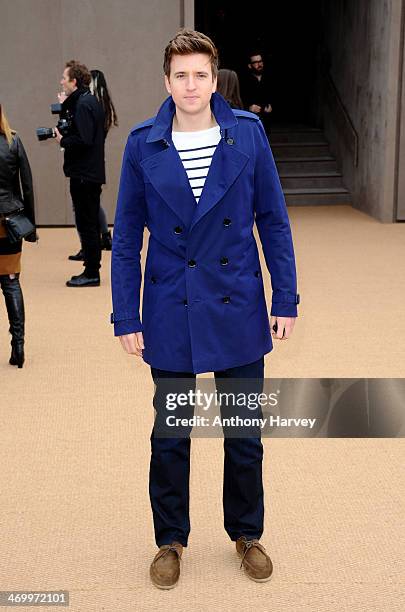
column 196, row 150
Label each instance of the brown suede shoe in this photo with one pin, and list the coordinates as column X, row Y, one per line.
column 255, row 560
column 165, row 567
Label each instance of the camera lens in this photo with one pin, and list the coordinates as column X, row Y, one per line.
column 43, row 133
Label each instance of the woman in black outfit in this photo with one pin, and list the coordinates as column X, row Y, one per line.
column 98, row 88
column 14, row 169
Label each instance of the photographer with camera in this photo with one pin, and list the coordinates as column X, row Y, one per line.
column 83, row 143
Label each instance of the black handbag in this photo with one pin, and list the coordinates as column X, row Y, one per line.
column 18, row 226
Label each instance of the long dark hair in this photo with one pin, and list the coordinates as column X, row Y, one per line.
column 228, row 87
column 99, row 88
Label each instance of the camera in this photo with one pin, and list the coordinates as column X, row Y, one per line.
column 63, row 125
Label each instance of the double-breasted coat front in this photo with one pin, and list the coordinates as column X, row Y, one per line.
column 203, row 306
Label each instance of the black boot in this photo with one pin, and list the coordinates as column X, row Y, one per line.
column 106, row 241
column 15, row 308
column 84, row 280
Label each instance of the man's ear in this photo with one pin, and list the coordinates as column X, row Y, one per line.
column 167, row 84
column 214, row 84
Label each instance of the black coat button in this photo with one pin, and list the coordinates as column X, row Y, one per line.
column 178, row 229
column 224, row 261
column 257, row 273
column 226, row 299
column 185, row 302
column 230, row 141
column 192, row 263
column 152, row 280
column 227, row 222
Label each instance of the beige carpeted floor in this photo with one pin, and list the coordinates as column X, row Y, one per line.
column 75, row 426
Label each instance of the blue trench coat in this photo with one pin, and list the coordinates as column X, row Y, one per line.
column 203, row 305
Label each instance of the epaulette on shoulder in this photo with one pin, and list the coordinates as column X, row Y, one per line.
column 245, row 114
column 144, row 124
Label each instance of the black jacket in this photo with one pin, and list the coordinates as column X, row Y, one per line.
column 15, row 167
column 84, row 145
column 254, row 91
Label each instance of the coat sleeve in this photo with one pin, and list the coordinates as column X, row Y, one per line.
column 26, row 181
column 129, row 224
column 274, row 229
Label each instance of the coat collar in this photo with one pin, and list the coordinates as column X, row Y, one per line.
column 162, row 125
column 166, row 172
column 71, row 100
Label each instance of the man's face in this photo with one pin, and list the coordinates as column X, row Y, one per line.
column 190, row 82
column 256, row 64
column 68, row 86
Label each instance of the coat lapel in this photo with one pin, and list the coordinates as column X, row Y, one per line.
column 168, row 176
column 226, row 165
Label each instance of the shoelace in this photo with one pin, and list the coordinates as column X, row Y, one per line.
column 170, row 547
column 248, row 545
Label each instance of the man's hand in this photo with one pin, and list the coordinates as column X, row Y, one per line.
column 58, row 136
column 133, row 343
column 284, row 324
column 62, row 97
column 255, row 108
column 268, row 109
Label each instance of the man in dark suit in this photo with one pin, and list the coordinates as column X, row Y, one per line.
column 256, row 90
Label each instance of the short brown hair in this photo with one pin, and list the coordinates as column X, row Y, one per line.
column 190, row 41
column 80, row 72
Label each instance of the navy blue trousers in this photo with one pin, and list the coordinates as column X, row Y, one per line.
column 170, row 469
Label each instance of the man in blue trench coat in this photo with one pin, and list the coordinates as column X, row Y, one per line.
column 198, row 175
